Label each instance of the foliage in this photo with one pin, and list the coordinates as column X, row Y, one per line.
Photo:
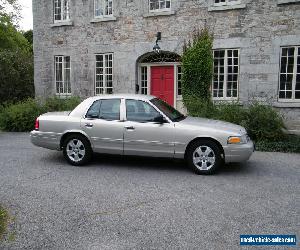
column 21, row 116
column 3, row 221
column 288, row 144
column 29, row 37
column 16, row 76
column 16, row 61
column 264, row 123
column 59, row 104
column 10, row 37
column 197, row 63
column 261, row 121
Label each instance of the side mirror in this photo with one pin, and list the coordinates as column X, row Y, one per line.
column 160, row 119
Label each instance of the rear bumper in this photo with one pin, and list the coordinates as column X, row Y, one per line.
column 239, row 153
column 45, row 140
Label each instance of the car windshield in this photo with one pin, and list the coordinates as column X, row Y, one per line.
column 173, row 114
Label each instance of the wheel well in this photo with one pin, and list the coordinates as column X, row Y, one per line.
column 71, row 133
column 204, row 138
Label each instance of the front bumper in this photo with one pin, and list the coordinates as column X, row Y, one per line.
column 45, row 140
column 238, row 152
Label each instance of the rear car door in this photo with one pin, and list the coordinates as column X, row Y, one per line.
column 143, row 136
column 103, row 125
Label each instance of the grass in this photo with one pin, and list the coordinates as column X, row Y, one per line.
column 3, row 222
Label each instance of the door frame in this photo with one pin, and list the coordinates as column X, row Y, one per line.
column 149, row 65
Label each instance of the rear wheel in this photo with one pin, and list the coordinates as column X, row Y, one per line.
column 204, row 157
column 77, row 150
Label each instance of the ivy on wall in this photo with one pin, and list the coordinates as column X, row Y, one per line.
column 197, row 63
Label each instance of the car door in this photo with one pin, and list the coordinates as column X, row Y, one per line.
column 143, row 136
column 103, row 125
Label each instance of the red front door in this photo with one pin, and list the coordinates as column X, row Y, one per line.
column 162, row 83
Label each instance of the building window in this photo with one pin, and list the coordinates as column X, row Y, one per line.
column 104, row 74
column 179, row 83
column 61, row 10
column 144, row 80
column 103, row 8
column 289, row 84
column 62, row 75
column 226, row 74
column 226, row 2
column 159, row 5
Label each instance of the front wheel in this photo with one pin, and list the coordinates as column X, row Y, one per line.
column 204, row 157
column 77, row 150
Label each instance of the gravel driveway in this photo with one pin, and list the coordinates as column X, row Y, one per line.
column 125, row 203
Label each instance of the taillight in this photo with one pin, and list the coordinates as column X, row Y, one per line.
column 37, row 124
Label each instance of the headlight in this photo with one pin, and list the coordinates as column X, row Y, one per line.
column 238, row 139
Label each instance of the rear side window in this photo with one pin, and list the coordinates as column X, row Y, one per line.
column 110, row 109
column 105, row 109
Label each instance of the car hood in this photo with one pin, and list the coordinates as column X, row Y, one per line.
column 213, row 124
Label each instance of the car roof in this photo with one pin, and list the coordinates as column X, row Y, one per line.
column 125, row 96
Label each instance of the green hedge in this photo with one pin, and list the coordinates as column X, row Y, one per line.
column 288, row 144
column 262, row 122
column 21, row 116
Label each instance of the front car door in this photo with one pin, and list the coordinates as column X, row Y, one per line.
column 142, row 135
column 104, row 126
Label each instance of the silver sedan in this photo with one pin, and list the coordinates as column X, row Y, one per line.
column 141, row 125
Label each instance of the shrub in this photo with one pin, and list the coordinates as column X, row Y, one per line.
column 288, row 144
column 59, row 104
column 21, row 116
column 264, row 123
column 231, row 112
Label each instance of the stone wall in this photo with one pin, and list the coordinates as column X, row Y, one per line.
column 257, row 27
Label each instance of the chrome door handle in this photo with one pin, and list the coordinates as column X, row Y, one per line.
column 129, row 127
column 89, row 125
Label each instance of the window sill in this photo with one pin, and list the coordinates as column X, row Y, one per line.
column 227, row 7
column 103, row 19
column 280, row 2
column 160, row 13
column 286, row 104
column 62, row 23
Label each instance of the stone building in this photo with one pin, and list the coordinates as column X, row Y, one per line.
column 92, row 47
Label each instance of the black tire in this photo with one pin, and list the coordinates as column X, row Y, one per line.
column 204, row 145
column 85, row 144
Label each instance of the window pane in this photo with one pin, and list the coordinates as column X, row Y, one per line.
column 140, row 111
column 94, row 110
column 159, row 5
column 110, row 109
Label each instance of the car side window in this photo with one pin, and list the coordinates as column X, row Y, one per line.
column 110, row 109
column 94, row 110
column 140, row 111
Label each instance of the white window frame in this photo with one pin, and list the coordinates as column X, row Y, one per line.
column 65, row 91
column 179, row 97
column 104, row 74
column 104, row 4
column 225, row 98
column 64, row 15
column 227, row 3
column 160, row 10
column 293, row 99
